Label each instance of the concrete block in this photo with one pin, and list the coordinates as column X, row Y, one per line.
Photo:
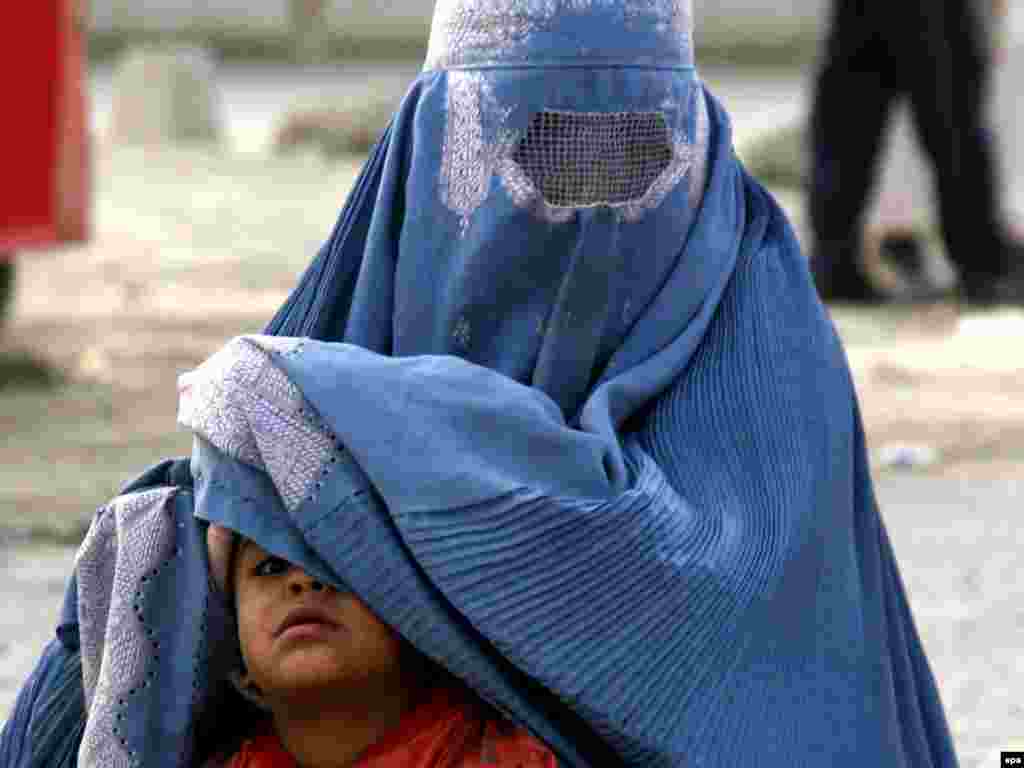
column 165, row 95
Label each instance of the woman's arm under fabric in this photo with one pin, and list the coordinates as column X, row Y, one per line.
column 46, row 726
column 137, row 654
column 725, row 596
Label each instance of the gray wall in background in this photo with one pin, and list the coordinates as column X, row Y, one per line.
column 767, row 20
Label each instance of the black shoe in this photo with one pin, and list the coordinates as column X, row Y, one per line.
column 993, row 290
column 906, row 253
column 838, row 278
column 987, row 292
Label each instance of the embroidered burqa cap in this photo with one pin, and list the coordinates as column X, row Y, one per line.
column 558, row 401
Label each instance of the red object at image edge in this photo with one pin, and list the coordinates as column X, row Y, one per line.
column 44, row 200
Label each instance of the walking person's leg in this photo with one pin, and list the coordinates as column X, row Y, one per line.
column 853, row 97
column 949, row 98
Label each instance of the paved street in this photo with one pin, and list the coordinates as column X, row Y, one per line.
column 32, row 581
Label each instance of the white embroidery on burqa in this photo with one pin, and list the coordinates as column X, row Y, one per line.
column 464, row 31
column 469, row 159
column 283, row 345
column 652, row 192
column 465, row 166
column 130, row 538
column 246, row 406
column 590, row 159
column 525, row 194
column 682, row 162
column 669, row 17
column 206, row 400
column 96, row 559
column 465, row 26
column 478, row 140
column 701, row 149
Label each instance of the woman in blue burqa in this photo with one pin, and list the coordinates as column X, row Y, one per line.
column 558, row 402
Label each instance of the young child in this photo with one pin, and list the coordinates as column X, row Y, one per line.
column 344, row 689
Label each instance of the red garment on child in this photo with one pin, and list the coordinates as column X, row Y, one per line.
column 448, row 731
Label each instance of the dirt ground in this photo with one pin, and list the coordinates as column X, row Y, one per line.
column 193, row 247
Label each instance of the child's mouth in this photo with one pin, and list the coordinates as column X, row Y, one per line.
column 311, row 630
column 306, row 621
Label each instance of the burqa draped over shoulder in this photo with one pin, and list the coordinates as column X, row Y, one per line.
column 558, row 401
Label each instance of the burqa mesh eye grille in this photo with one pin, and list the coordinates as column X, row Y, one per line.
column 581, row 159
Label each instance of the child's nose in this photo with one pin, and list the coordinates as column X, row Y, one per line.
column 299, row 581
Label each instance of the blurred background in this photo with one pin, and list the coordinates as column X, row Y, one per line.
column 216, row 146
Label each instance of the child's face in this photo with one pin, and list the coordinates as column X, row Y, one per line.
column 300, row 636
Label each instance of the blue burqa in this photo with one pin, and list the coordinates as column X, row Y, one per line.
column 558, row 400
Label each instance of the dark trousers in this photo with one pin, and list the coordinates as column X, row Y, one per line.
column 932, row 52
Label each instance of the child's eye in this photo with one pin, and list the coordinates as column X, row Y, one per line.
column 272, row 566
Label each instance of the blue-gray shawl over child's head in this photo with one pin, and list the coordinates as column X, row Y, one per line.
column 568, row 415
